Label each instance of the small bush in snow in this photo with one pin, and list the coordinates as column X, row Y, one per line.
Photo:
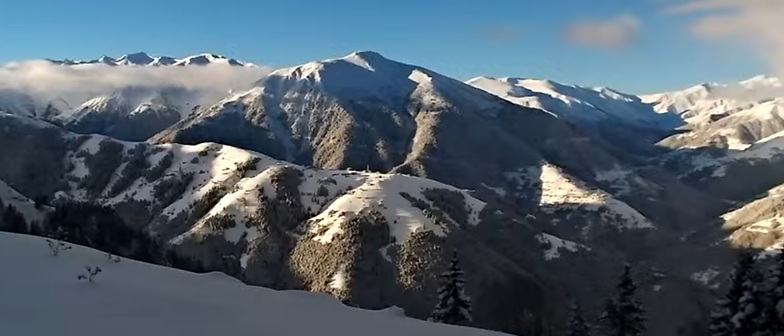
column 113, row 258
column 57, row 244
column 91, row 273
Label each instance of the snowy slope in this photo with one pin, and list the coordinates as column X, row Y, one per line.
column 133, row 298
column 383, row 192
column 556, row 246
column 558, row 190
column 759, row 223
column 143, row 59
column 574, row 102
column 768, row 150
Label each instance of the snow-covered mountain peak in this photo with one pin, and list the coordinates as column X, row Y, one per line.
column 210, row 59
column 163, row 61
column 761, row 81
column 361, row 73
column 366, row 59
column 138, row 58
column 106, row 60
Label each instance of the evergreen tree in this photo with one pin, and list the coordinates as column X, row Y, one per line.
column 774, row 312
column 12, row 220
column 729, row 306
column 454, row 306
column 750, row 319
column 577, row 324
column 623, row 315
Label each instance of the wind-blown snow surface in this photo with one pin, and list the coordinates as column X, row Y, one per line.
column 42, row 296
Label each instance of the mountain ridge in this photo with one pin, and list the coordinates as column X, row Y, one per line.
column 143, row 59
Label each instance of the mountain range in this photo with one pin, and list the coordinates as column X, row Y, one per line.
column 371, row 171
column 143, row 59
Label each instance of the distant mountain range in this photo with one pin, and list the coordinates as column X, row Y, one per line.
column 371, row 171
column 143, row 59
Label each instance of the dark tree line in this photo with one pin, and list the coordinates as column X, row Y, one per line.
column 98, row 227
column 623, row 313
column 11, row 220
column 753, row 304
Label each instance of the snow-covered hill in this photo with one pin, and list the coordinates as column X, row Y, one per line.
column 132, row 298
column 758, row 224
column 143, row 59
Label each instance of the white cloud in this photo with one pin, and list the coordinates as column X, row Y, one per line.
column 757, row 25
column 48, row 82
column 613, row 34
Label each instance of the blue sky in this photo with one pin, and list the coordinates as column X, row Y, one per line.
column 460, row 38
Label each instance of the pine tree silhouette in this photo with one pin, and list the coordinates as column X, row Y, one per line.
column 750, row 319
column 454, row 306
column 772, row 318
column 778, row 293
column 577, row 324
column 624, row 315
column 728, row 307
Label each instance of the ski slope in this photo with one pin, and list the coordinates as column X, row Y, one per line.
column 41, row 295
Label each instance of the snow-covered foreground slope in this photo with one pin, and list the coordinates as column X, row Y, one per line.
column 41, row 295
